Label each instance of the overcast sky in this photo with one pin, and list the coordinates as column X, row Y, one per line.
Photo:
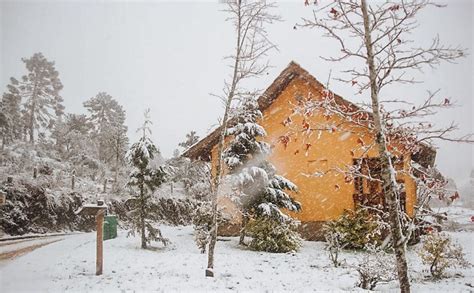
column 168, row 56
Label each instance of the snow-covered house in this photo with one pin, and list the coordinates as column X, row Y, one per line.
column 311, row 159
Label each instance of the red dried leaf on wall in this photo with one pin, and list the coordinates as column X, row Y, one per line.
column 284, row 139
column 287, row 121
column 305, row 125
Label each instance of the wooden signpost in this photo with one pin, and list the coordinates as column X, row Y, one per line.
column 99, row 211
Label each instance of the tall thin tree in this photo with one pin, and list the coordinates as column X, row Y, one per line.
column 39, row 89
column 249, row 19
column 146, row 179
column 378, row 34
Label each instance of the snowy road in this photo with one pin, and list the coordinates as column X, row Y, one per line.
column 69, row 265
column 11, row 249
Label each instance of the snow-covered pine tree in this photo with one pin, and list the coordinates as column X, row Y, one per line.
column 118, row 143
column 260, row 192
column 4, row 127
column 10, row 107
column 146, row 179
column 191, row 138
column 184, row 170
column 108, row 119
column 40, row 91
column 73, row 136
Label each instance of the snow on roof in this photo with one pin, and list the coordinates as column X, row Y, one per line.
column 90, row 209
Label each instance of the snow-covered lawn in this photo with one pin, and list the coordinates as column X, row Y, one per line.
column 69, row 265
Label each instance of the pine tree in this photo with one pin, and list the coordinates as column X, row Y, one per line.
column 108, row 119
column 70, row 135
column 191, row 138
column 40, row 91
column 260, row 191
column 118, row 143
column 146, row 180
column 4, row 127
column 11, row 109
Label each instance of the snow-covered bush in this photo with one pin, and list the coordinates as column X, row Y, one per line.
column 272, row 235
column 376, row 266
column 357, row 229
column 32, row 208
column 45, row 169
column 200, row 190
column 439, row 252
column 195, row 176
column 202, row 224
column 334, row 244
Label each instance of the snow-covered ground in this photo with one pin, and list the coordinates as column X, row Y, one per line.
column 9, row 246
column 69, row 265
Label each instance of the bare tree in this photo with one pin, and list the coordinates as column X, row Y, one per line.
column 251, row 46
column 377, row 37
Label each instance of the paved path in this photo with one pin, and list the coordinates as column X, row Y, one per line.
column 16, row 247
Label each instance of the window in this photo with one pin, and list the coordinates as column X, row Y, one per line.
column 368, row 185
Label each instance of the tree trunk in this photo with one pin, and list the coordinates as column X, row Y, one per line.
column 388, row 173
column 245, row 220
column 105, row 186
column 31, row 129
column 220, row 148
column 142, row 216
column 117, row 164
column 31, row 125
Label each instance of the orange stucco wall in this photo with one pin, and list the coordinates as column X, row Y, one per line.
column 326, row 197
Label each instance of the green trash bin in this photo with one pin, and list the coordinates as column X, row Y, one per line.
column 110, row 227
column 106, row 230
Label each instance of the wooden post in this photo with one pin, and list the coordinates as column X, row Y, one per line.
column 35, row 172
column 9, row 180
column 99, row 255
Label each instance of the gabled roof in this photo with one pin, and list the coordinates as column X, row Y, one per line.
column 202, row 149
